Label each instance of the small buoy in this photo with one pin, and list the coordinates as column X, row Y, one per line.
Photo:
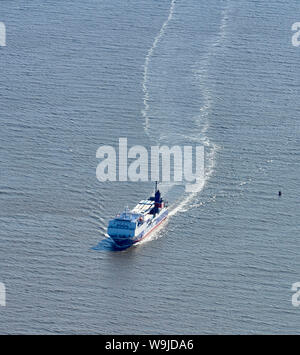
column 279, row 193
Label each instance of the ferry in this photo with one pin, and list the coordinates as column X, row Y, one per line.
column 132, row 226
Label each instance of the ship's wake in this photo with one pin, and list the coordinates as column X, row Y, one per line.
column 145, row 111
column 201, row 74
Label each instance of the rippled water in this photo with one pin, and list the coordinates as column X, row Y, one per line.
column 76, row 75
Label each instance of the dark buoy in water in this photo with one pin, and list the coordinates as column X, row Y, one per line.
column 279, row 193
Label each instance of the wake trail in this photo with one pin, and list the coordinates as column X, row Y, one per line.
column 202, row 120
column 147, row 63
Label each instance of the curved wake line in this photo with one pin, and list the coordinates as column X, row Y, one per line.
column 204, row 110
column 147, row 62
column 203, row 116
column 190, row 197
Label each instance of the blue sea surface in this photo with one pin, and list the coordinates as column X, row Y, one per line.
column 76, row 75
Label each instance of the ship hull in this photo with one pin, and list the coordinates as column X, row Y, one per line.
column 127, row 241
